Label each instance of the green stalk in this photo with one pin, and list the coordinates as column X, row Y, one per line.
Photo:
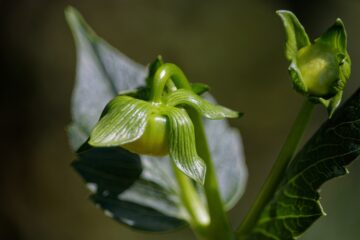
column 163, row 74
column 219, row 226
column 198, row 214
column 199, row 217
column 285, row 156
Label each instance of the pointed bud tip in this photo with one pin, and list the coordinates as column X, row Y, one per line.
column 72, row 14
column 339, row 22
column 159, row 57
column 280, row 12
column 69, row 9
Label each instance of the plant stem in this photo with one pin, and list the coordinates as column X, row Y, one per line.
column 286, row 154
column 219, row 226
column 163, row 74
column 199, row 217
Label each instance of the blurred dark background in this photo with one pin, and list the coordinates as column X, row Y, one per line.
column 234, row 46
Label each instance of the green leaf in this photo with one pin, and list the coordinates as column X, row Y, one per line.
column 297, row 38
column 297, row 82
column 124, row 122
column 295, row 205
column 208, row 110
column 103, row 72
column 182, row 145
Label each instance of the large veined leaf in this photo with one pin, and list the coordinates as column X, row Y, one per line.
column 139, row 191
column 120, row 180
column 295, row 205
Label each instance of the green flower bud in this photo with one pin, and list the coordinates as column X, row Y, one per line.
column 318, row 70
column 152, row 120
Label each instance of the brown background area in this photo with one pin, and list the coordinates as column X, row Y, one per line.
column 234, row 46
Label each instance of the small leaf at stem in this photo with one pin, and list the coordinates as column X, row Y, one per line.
column 199, row 88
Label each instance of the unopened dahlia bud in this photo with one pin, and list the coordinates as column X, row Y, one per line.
column 318, row 70
column 158, row 123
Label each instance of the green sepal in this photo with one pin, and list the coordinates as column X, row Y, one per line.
column 182, row 145
column 297, row 38
column 335, row 37
column 295, row 75
column 331, row 104
column 185, row 97
column 123, row 121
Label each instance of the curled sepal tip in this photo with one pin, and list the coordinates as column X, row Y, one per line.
column 318, row 70
column 185, row 97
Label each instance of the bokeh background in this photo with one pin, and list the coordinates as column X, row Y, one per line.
column 234, row 46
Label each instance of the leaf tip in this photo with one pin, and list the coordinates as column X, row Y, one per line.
column 78, row 24
column 71, row 14
column 69, row 9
